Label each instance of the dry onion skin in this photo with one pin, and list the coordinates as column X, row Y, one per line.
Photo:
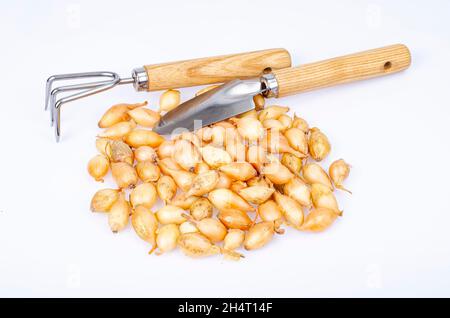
column 196, row 245
column 201, row 167
column 168, row 164
column 256, row 155
column 319, row 146
column 119, row 214
column 292, row 210
column 297, row 139
column 256, row 194
column 117, row 113
column 270, row 211
column 275, row 142
column 169, row 100
column 251, row 113
column 323, row 197
column 148, row 171
column 187, row 227
column 339, row 171
column 170, row 214
column 201, row 209
column 260, row 234
column 145, row 224
column 143, row 194
column 118, row 131
column 166, row 188
column 286, row 122
column 259, row 101
column 293, row 163
column 103, row 200
column 224, row 181
column 258, row 181
column 241, row 171
column 142, row 137
column 233, row 239
column 314, row 173
column 250, row 128
column 188, row 136
column 300, row 123
column 145, row 153
column 225, row 199
column 203, row 183
column 186, row 155
column 166, row 149
column 212, row 228
column 273, row 124
column 167, row 238
column 225, row 188
column 144, row 117
column 124, row 174
column 98, row 167
column 218, row 135
column 118, row 151
column 277, row 173
column 235, row 219
column 102, row 146
column 318, row 220
column 236, row 186
column 184, row 179
column 298, row 190
column 272, row 112
column 183, row 201
column 215, row 157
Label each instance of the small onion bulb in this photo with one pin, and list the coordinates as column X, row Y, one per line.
column 98, row 167
column 167, row 238
column 319, row 146
column 143, row 194
column 339, row 171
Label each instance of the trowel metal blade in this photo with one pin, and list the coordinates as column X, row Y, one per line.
column 225, row 101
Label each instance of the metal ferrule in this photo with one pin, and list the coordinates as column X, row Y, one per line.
column 270, row 83
column 140, row 79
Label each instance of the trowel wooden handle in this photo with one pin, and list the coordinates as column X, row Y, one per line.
column 216, row 69
column 344, row 69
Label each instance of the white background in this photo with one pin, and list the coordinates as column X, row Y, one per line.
column 394, row 238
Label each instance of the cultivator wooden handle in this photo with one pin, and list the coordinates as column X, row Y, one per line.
column 344, row 69
column 215, row 69
column 155, row 77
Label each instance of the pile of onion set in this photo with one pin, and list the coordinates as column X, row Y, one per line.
column 228, row 187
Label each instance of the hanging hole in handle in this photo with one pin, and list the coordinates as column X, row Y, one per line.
column 387, row 66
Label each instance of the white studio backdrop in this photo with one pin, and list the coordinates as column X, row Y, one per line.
column 393, row 239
